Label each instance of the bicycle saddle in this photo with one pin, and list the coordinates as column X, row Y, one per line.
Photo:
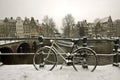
column 75, row 40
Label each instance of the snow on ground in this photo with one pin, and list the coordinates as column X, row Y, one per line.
column 27, row 72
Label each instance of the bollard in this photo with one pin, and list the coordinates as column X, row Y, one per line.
column 115, row 51
column 34, row 46
column 41, row 52
column 84, row 42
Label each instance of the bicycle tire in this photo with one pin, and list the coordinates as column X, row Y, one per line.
column 86, row 57
column 49, row 57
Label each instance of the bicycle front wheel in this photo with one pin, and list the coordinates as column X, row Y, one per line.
column 44, row 57
column 85, row 58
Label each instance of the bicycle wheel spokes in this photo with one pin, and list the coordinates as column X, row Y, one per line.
column 85, row 58
column 45, row 56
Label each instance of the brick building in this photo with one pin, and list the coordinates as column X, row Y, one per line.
column 10, row 27
column 19, row 28
column 26, row 27
column 34, row 27
column 117, row 26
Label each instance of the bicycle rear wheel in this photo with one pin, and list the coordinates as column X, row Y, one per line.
column 45, row 56
column 86, row 58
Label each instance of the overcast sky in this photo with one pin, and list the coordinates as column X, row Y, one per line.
column 57, row 9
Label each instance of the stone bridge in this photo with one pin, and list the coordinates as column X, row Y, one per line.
column 27, row 46
column 14, row 51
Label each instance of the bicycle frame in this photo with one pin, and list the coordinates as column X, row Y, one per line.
column 55, row 47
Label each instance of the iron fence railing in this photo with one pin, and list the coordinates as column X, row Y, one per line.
column 115, row 52
column 56, row 38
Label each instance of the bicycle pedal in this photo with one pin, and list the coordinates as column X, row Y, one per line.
column 69, row 63
column 85, row 66
column 41, row 65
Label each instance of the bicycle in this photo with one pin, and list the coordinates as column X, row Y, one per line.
column 78, row 56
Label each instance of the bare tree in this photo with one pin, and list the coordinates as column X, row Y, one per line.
column 68, row 23
column 48, row 26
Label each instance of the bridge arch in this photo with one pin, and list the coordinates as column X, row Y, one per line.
column 6, row 50
column 6, row 59
column 23, row 48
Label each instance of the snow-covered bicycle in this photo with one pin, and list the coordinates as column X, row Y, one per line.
column 78, row 57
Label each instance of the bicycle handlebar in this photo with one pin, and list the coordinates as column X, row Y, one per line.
column 74, row 40
column 41, row 38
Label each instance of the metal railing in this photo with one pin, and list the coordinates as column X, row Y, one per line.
column 115, row 52
column 54, row 38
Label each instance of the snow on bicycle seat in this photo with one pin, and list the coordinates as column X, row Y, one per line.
column 75, row 40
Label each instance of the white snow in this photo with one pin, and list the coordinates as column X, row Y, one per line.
column 28, row 72
column 7, row 41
